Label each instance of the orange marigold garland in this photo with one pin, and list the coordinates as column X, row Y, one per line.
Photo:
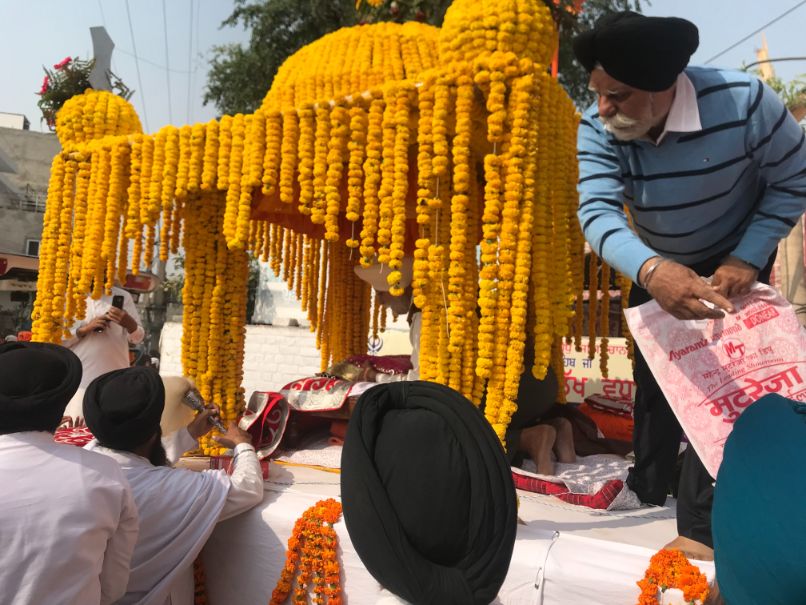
column 669, row 568
column 312, row 557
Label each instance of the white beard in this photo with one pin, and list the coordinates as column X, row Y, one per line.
column 627, row 129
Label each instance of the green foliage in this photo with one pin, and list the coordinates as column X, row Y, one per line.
column 792, row 93
column 427, row 11
column 239, row 75
column 70, row 77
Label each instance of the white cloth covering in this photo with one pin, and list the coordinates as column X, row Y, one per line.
column 68, row 524
column 102, row 352
column 596, row 558
column 178, row 511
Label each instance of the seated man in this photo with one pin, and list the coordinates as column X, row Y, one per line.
column 178, row 508
column 68, row 524
column 530, row 432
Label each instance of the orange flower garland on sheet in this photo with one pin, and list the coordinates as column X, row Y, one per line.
column 669, row 568
column 313, row 558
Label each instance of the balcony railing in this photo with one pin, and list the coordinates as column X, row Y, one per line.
column 36, row 204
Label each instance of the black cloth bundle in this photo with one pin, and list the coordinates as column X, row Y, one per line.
column 647, row 53
column 37, row 381
column 123, row 408
column 427, row 495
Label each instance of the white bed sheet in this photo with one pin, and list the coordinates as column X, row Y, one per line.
column 595, row 559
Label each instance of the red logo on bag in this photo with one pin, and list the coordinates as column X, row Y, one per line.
column 760, row 317
column 733, row 348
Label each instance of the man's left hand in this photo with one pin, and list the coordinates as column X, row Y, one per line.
column 119, row 316
column 734, row 277
column 200, row 425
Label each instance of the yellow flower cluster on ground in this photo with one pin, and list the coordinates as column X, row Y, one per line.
column 453, row 146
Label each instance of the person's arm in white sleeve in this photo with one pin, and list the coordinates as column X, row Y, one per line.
column 117, row 558
column 135, row 337
column 246, row 481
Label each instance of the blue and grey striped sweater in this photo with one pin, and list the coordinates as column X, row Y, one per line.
column 737, row 186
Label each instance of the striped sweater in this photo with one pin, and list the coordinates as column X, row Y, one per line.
column 737, row 186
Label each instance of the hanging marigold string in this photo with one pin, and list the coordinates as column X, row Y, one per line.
column 312, row 563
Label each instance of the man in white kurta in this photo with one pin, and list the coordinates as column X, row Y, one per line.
column 68, row 523
column 101, row 340
column 178, row 508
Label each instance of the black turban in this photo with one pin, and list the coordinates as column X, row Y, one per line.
column 37, row 381
column 427, row 495
column 123, row 408
column 647, row 53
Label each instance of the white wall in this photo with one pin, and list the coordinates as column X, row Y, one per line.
column 274, row 355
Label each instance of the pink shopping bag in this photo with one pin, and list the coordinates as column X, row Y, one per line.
column 711, row 370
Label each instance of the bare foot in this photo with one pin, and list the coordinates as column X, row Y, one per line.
column 538, row 441
column 564, row 446
column 692, row 549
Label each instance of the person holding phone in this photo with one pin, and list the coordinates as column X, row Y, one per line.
column 101, row 340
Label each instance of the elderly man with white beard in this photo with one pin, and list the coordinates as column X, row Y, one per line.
column 712, row 168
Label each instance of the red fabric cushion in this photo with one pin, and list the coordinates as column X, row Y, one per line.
column 613, row 426
column 600, row 500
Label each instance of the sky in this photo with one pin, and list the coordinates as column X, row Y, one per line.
column 724, row 22
column 42, row 32
column 34, row 33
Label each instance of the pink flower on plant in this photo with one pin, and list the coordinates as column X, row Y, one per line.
column 63, row 63
column 45, row 85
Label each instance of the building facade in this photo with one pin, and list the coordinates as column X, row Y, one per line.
column 25, row 159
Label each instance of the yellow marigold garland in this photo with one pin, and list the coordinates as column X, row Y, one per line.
column 400, row 188
column 605, row 325
column 372, row 180
column 339, row 135
column 290, row 141
column 355, row 173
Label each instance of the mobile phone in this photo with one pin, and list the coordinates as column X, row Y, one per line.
column 117, row 302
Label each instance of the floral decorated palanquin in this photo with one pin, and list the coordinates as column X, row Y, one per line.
column 453, row 145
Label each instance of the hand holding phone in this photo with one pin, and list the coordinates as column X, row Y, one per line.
column 115, row 312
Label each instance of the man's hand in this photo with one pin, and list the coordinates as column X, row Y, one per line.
column 200, row 425
column 120, row 317
column 734, row 277
column 679, row 290
column 233, row 437
column 98, row 324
